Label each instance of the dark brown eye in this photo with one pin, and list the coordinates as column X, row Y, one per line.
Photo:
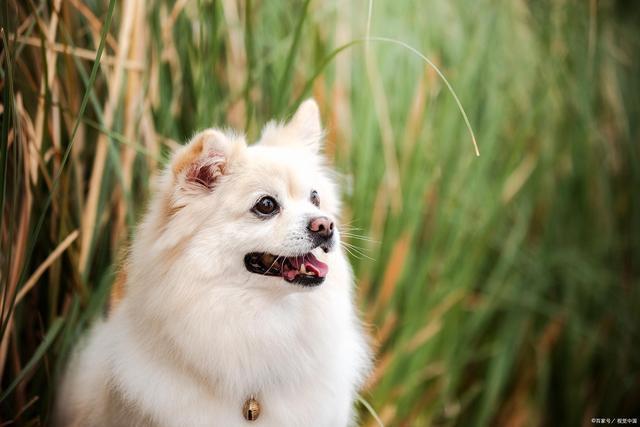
column 266, row 206
column 315, row 199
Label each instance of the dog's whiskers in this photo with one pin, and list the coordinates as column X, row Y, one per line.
column 347, row 226
column 359, row 237
column 355, row 251
column 272, row 264
column 354, row 246
column 351, row 253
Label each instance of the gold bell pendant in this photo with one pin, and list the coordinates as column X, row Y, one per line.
column 251, row 409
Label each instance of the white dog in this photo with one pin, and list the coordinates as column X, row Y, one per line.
column 237, row 307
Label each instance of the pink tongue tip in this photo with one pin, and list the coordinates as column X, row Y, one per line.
column 314, row 264
column 311, row 263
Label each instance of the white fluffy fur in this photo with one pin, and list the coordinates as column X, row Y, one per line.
column 196, row 334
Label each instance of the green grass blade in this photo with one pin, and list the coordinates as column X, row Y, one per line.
column 40, row 352
column 285, row 79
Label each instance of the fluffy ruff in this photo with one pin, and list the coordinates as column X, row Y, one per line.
column 197, row 330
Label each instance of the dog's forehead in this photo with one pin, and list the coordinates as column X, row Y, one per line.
column 292, row 170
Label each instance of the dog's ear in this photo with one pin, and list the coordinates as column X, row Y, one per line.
column 203, row 160
column 304, row 129
column 305, row 123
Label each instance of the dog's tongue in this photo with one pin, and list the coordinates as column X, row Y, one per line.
column 311, row 265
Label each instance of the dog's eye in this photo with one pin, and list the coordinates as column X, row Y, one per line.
column 266, row 206
column 315, row 199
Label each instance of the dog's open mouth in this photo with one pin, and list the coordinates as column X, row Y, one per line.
column 304, row 270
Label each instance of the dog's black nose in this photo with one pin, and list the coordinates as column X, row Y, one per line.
column 321, row 226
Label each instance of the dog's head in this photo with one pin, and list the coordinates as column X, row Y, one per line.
column 259, row 215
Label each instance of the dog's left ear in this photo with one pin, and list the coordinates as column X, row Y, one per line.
column 305, row 123
column 303, row 129
column 203, row 160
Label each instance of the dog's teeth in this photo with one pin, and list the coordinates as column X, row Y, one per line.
column 303, row 269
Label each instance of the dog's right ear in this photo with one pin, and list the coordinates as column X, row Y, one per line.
column 199, row 164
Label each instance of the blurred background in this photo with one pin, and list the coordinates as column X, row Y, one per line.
column 500, row 290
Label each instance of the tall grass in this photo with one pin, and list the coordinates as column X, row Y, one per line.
column 500, row 289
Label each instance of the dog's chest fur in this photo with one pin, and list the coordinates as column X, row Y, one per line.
column 301, row 358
